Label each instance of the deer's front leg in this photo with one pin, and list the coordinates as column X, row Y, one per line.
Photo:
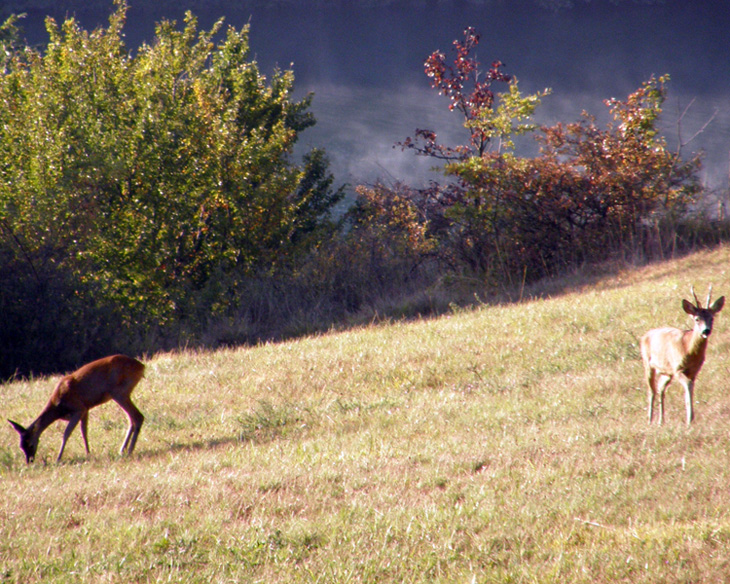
column 72, row 422
column 662, row 382
column 689, row 386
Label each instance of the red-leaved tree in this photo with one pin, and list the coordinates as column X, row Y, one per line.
column 589, row 193
column 469, row 92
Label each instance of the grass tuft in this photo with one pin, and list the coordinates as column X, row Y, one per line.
column 267, row 422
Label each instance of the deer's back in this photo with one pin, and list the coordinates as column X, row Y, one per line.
column 97, row 382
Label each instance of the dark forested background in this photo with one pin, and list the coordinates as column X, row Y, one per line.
column 364, row 62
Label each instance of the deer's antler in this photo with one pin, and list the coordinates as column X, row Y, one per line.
column 697, row 302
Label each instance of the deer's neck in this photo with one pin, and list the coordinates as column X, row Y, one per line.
column 695, row 346
column 49, row 415
column 695, row 342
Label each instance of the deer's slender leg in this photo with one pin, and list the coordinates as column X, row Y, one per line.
column 73, row 421
column 689, row 387
column 84, row 426
column 662, row 386
column 136, row 418
column 650, row 391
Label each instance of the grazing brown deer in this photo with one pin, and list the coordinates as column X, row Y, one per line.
column 110, row 378
column 670, row 352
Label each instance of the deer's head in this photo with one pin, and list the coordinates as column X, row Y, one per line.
column 703, row 317
column 28, row 441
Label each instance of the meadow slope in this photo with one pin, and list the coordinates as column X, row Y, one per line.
column 502, row 444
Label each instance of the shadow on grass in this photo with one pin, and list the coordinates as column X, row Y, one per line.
column 192, row 446
column 264, row 424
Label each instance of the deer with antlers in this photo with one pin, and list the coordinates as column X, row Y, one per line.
column 110, row 378
column 670, row 352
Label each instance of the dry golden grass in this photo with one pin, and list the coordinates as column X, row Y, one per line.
column 504, row 444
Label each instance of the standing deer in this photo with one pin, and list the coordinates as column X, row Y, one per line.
column 669, row 352
column 110, row 378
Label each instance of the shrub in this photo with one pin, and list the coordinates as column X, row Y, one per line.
column 589, row 193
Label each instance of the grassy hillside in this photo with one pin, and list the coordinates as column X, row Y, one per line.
column 505, row 444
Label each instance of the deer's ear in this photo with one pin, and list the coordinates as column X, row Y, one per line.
column 689, row 308
column 718, row 304
column 18, row 427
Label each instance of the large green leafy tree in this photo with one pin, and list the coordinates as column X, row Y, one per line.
column 142, row 187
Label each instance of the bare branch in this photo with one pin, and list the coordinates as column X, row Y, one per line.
column 681, row 144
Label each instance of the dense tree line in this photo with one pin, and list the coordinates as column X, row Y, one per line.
column 150, row 198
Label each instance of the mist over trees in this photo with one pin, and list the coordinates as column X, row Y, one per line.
column 151, row 198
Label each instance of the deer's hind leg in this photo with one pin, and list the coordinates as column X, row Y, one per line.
column 650, row 390
column 135, row 424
